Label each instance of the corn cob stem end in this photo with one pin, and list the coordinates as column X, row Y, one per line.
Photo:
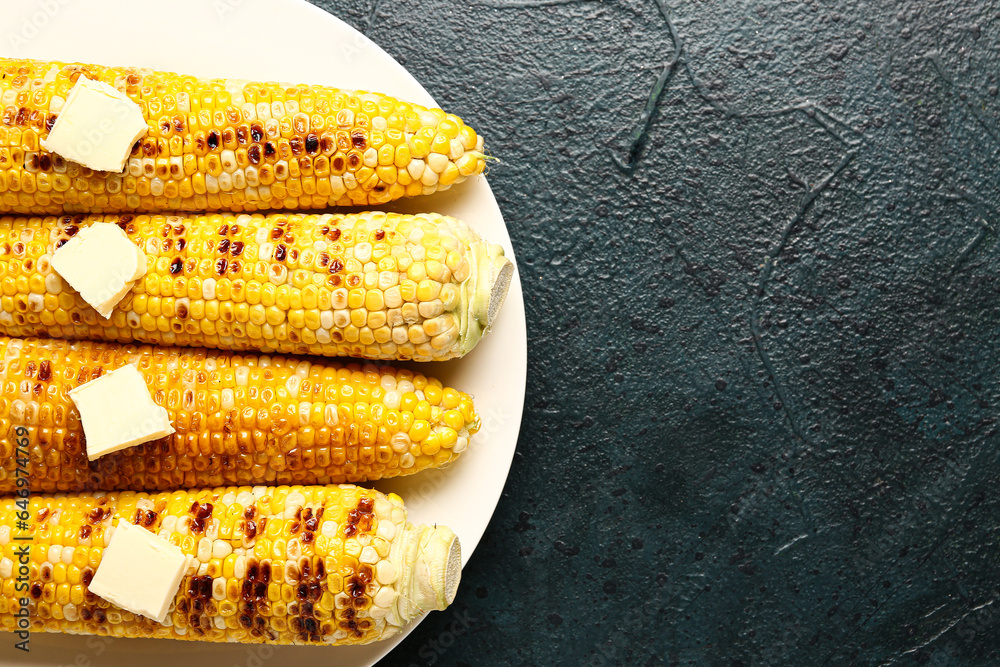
column 484, row 292
column 432, row 570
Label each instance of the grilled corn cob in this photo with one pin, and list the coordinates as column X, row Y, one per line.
column 286, row 565
column 228, row 145
column 373, row 285
column 238, row 419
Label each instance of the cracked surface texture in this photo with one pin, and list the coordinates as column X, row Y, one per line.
column 758, row 243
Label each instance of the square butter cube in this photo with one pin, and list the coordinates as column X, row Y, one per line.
column 118, row 412
column 96, row 127
column 102, row 264
column 140, row 572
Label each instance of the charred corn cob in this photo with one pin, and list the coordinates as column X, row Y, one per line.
column 230, row 145
column 238, row 419
column 286, row 565
column 373, row 285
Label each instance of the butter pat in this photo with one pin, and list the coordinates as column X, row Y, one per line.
column 102, row 264
column 97, row 126
column 118, row 412
column 139, row 572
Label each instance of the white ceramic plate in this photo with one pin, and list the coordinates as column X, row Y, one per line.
column 290, row 41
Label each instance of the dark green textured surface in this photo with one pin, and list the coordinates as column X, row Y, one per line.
column 763, row 384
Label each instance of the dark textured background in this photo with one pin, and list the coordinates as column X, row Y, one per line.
column 763, row 384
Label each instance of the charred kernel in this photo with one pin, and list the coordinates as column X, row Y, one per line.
column 277, row 233
column 221, row 266
column 180, row 244
column 260, row 590
column 338, row 163
column 269, row 149
column 241, row 135
column 379, row 234
column 334, row 234
column 253, row 154
column 223, row 230
column 366, row 574
column 87, row 576
column 213, row 139
column 236, row 249
column 252, row 570
column 100, row 615
column 358, row 139
column 308, row 537
column 280, row 252
column 45, row 374
column 223, row 246
column 251, row 530
column 256, row 131
column 295, row 143
column 176, row 265
column 249, row 512
column 312, row 144
column 246, row 591
column 45, row 162
column 71, row 230
column 366, row 505
column 245, row 621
